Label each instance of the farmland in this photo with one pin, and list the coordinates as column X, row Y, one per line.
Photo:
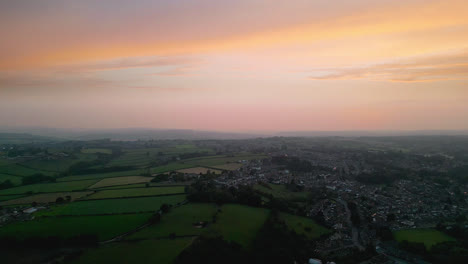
column 429, row 237
column 240, row 223
column 147, row 251
column 105, row 227
column 50, row 187
column 303, row 226
column 198, row 170
column 179, row 221
column 124, row 180
column 280, row 191
column 150, row 191
column 45, row 198
column 114, row 206
column 100, row 175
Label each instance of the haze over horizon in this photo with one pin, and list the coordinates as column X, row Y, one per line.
column 242, row 65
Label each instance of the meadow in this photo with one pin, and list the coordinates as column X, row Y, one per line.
column 106, row 227
column 101, row 175
column 280, row 191
column 124, row 180
column 113, row 206
column 179, row 221
column 150, row 191
column 429, row 237
column 50, row 187
column 147, row 251
column 45, row 198
column 303, row 226
column 240, row 223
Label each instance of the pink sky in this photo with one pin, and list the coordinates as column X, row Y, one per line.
column 235, row 65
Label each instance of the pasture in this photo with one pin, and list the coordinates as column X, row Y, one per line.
column 101, row 175
column 429, row 237
column 15, row 180
column 106, row 227
column 220, row 160
column 240, row 223
column 50, row 187
column 150, row 191
column 124, row 180
column 114, row 206
column 303, row 225
column 179, row 221
column 96, row 150
column 198, row 170
column 18, row 170
column 147, row 251
column 228, row 166
column 171, row 167
column 45, row 198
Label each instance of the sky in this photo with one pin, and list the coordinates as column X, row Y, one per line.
column 244, row 65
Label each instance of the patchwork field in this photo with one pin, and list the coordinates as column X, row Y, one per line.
column 171, row 167
column 113, row 206
column 124, row 180
column 96, row 150
column 220, row 160
column 228, row 166
column 106, row 227
column 429, row 237
column 16, row 180
column 148, row 251
column 303, row 225
column 50, row 187
column 9, row 197
column 18, row 170
column 198, row 170
column 45, row 198
column 240, row 223
column 100, row 175
column 136, row 192
column 179, row 221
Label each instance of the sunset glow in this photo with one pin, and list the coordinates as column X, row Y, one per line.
column 235, row 65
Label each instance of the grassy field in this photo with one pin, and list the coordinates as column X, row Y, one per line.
column 280, row 191
column 180, row 221
column 228, row 166
column 96, row 150
column 171, row 167
column 45, row 198
column 101, row 175
column 303, row 225
column 58, row 165
column 18, row 170
column 136, row 192
column 9, row 197
column 429, row 237
column 125, row 180
column 50, row 187
column 198, row 170
column 16, row 180
column 149, row 251
column 240, row 223
column 113, row 206
column 221, row 160
column 106, row 227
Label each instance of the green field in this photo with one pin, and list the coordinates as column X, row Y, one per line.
column 9, row 197
column 280, row 191
column 219, row 160
column 303, row 225
column 45, row 198
column 101, row 175
column 240, row 223
column 106, row 227
column 162, row 251
column 50, row 187
column 18, row 170
column 179, row 221
column 16, row 180
column 124, row 180
column 96, row 150
column 171, row 167
column 136, row 192
column 114, row 206
column 429, row 237
column 59, row 165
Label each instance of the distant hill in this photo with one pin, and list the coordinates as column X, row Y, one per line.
column 23, row 138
